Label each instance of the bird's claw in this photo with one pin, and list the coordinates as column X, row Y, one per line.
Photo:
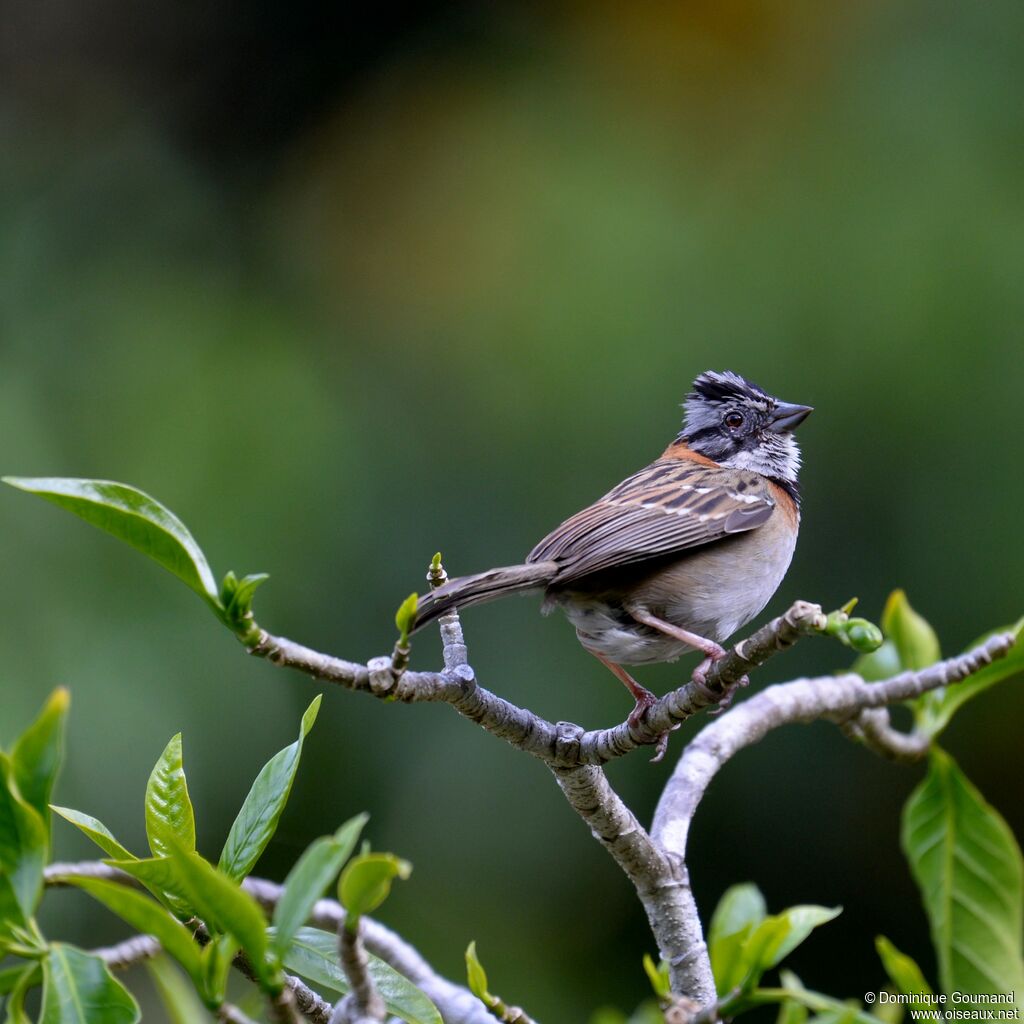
column 636, row 721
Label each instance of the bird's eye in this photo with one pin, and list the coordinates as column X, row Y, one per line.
column 734, row 420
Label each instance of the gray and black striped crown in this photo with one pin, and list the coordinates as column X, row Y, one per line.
column 726, row 386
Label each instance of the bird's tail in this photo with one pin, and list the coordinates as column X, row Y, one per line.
column 484, row 586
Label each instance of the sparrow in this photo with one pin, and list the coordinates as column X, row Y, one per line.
column 679, row 555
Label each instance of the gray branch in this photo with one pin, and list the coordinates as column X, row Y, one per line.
column 843, row 699
column 362, row 1004
column 457, row 685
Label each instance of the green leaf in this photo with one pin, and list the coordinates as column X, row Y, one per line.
column 903, row 972
column 257, row 820
column 95, row 830
column 916, row 644
column 178, row 997
column 405, row 617
column 10, row 977
column 79, row 989
column 315, row 870
column 936, row 709
column 800, row 922
column 169, row 816
column 217, row 959
column 739, row 911
column 22, row 979
column 23, row 846
column 740, row 905
column 133, row 517
column 476, row 976
column 37, row 753
column 225, row 907
column 744, row 943
column 236, row 596
column 657, row 975
column 314, row 954
column 148, row 918
column 366, row 882
column 159, row 876
column 968, row 867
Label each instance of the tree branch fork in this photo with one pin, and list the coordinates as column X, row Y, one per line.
column 653, row 860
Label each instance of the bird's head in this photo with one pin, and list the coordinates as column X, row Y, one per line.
column 735, row 423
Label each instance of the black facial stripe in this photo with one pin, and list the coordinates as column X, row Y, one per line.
column 703, row 434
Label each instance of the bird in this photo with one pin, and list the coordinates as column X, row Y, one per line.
column 680, row 554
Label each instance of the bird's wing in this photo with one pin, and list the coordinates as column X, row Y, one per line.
column 671, row 505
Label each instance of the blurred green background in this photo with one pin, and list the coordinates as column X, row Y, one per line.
column 346, row 287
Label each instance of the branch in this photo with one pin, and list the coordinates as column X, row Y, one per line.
column 457, row 685
column 661, row 882
column 856, row 706
column 839, row 699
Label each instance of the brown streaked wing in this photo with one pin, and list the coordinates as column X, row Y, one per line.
column 670, row 505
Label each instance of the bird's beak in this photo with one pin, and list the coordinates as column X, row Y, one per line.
column 788, row 417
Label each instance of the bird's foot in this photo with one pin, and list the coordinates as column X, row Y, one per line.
column 700, row 680
column 644, row 700
column 730, row 691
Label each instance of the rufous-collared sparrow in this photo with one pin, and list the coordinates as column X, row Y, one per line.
column 679, row 555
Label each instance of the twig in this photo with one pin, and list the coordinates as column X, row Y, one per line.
column 128, row 953
column 363, row 1003
column 873, row 728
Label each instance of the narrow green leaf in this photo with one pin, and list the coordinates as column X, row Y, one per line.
column 476, row 976
column 133, row 517
column 148, row 918
column 903, row 972
column 178, row 997
column 95, row 830
column 24, row 842
column 366, row 882
column 916, row 643
column 968, row 867
column 257, row 820
column 37, row 753
column 314, row 954
column 79, row 989
column 169, row 815
column 225, row 907
column 315, row 870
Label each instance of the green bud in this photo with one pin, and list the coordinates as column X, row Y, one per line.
column 405, row 617
column 863, row 636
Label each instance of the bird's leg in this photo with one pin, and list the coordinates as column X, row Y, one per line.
column 643, row 697
column 713, row 652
